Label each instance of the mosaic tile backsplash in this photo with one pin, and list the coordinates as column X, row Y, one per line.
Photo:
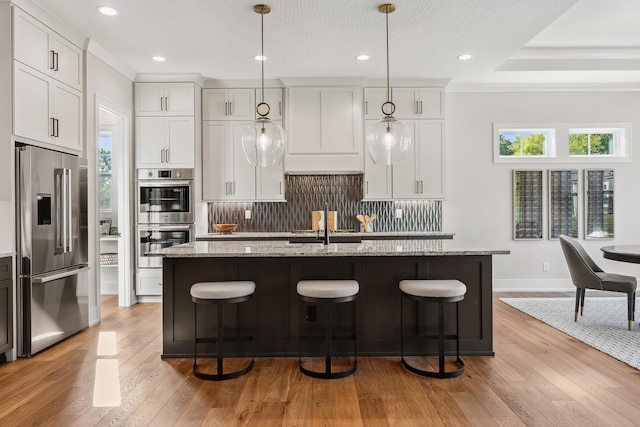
column 341, row 193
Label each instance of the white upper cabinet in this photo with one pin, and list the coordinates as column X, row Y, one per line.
column 227, row 175
column 41, row 48
column 165, row 142
column 46, row 110
column 421, row 103
column 411, row 103
column 228, row 104
column 165, row 99
column 324, row 131
column 419, row 176
column 273, row 97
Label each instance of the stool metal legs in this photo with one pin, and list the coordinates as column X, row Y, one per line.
column 441, row 373
column 328, row 346
column 219, row 340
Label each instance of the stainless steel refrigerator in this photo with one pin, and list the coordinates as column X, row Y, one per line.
column 52, row 264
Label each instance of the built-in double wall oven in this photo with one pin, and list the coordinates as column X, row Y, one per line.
column 165, row 211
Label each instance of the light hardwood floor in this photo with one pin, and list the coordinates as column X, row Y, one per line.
column 538, row 377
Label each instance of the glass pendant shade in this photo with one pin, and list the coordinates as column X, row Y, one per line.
column 388, row 140
column 263, row 143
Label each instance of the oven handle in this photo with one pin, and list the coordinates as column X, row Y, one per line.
column 164, row 227
column 159, row 183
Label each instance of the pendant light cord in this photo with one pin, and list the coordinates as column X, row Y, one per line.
column 386, row 15
column 262, row 53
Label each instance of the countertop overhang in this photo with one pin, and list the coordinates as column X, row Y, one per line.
column 276, row 248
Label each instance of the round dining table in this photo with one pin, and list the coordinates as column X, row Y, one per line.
column 624, row 253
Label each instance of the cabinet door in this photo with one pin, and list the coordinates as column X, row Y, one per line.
column 273, row 97
column 66, row 109
column 180, row 142
column 150, row 142
column 431, row 159
column 149, row 99
column 31, row 104
column 405, row 175
column 270, row 181
column 214, row 164
column 31, row 42
column 243, row 174
column 67, row 62
column 374, row 97
column 180, row 99
column 407, row 103
column 377, row 179
column 214, row 104
column 431, row 103
column 242, row 104
column 6, row 305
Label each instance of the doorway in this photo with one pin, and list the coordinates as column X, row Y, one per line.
column 113, row 194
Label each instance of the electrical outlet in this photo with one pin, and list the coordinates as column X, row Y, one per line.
column 247, row 214
column 398, row 213
column 546, row 266
column 312, row 313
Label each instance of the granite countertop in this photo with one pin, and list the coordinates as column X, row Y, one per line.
column 6, row 254
column 223, row 249
column 285, row 235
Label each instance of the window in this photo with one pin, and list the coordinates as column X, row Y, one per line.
column 597, row 142
column 562, row 142
column 105, row 144
column 521, row 144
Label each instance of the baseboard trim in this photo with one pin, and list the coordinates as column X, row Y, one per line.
column 533, row 285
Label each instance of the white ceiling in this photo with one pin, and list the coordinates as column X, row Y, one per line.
column 514, row 43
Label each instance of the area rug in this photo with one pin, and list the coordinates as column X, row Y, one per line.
column 603, row 326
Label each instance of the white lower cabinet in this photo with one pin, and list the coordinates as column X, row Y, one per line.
column 419, row 176
column 165, row 142
column 226, row 174
column 45, row 109
column 149, row 281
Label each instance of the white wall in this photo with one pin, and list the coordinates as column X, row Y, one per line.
column 102, row 81
column 479, row 192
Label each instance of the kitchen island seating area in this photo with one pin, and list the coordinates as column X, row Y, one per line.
column 277, row 267
column 219, row 294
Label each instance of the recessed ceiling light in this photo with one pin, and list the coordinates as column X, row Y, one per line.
column 159, row 58
column 106, row 10
column 260, row 58
column 362, row 57
column 464, row 57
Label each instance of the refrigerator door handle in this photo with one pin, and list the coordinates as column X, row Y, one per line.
column 58, row 276
column 60, row 223
column 69, row 212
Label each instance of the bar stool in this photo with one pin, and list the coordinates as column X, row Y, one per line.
column 440, row 292
column 220, row 294
column 328, row 293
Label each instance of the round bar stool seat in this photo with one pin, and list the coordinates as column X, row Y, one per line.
column 329, row 293
column 440, row 292
column 219, row 293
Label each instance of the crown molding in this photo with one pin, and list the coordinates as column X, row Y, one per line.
column 170, row 78
column 114, row 62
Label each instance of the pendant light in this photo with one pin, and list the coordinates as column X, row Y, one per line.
column 388, row 139
column 263, row 142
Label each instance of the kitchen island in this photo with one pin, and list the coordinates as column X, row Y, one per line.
column 275, row 315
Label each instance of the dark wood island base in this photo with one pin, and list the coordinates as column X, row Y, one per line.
column 275, row 317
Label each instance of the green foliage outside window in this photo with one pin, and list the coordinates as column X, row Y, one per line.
column 584, row 144
column 525, row 144
column 105, row 179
